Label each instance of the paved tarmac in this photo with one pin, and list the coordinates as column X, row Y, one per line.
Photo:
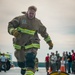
column 16, row 71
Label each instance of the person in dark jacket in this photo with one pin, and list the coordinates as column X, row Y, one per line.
column 69, row 62
column 58, row 61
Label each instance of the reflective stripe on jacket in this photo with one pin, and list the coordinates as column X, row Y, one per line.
column 29, row 30
column 33, row 45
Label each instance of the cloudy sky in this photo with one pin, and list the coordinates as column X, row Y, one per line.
column 57, row 15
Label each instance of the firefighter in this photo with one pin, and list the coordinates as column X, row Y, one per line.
column 25, row 30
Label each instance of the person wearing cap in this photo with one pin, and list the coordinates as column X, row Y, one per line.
column 26, row 41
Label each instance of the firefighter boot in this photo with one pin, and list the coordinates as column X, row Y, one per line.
column 29, row 73
column 23, row 71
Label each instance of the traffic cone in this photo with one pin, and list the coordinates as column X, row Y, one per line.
column 49, row 70
column 62, row 68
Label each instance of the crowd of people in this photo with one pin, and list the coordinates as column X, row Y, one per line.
column 54, row 61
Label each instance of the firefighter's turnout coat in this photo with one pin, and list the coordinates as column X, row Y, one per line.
column 28, row 29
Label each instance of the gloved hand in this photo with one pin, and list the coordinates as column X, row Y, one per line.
column 15, row 33
column 50, row 45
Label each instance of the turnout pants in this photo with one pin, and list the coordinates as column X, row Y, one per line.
column 26, row 59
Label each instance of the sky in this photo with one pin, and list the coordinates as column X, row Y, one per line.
column 58, row 16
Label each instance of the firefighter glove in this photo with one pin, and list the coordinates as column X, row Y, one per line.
column 50, row 45
column 16, row 33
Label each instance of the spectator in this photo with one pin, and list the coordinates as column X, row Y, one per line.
column 69, row 62
column 53, row 62
column 47, row 61
column 73, row 61
column 3, row 61
column 58, row 61
column 66, row 61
